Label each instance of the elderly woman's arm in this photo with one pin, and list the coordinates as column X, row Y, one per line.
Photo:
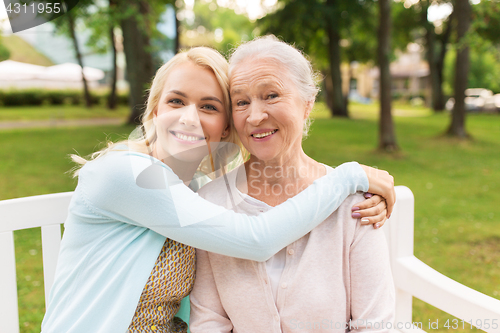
column 207, row 313
column 372, row 288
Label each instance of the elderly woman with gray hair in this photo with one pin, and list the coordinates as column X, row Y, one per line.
column 337, row 278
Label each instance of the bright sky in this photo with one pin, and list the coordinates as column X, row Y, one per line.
column 439, row 12
column 252, row 7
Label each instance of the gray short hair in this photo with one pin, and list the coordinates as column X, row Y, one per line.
column 299, row 67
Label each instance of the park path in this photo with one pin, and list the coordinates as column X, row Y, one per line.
column 6, row 125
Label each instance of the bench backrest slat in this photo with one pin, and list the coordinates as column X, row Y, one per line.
column 9, row 315
column 32, row 212
column 46, row 211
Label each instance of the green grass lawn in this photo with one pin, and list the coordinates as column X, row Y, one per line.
column 456, row 186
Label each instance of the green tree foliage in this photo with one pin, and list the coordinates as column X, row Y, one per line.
column 484, row 68
column 486, row 17
column 215, row 26
column 412, row 25
column 141, row 39
column 103, row 18
column 485, row 46
column 484, row 43
column 361, row 44
column 67, row 25
column 330, row 31
column 407, row 25
column 96, row 17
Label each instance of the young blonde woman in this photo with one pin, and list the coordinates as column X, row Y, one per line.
column 126, row 259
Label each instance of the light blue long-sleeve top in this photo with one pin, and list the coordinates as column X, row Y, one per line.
column 116, row 228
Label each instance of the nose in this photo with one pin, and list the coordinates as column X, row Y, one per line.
column 258, row 114
column 189, row 117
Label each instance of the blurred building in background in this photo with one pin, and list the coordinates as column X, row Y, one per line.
column 410, row 78
column 36, row 49
column 20, row 75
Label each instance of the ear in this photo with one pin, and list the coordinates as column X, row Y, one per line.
column 308, row 109
column 155, row 114
column 226, row 132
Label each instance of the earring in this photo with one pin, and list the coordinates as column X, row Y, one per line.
column 224, row 134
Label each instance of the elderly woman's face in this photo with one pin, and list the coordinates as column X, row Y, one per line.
column 268, row 111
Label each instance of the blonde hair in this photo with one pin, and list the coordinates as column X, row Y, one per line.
column 204, row 57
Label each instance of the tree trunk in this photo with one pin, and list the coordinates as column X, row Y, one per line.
column 112, row 100
column 328, row 89
column 443, row 43
column 112, row 93
column 463, row 18
column 387, row 138
column 177, row 32
column 140, row 67
column 338, row 109
column 436, row 89
column 86, row 92
column 349, row 79
column 431, row 56
column 439, row 98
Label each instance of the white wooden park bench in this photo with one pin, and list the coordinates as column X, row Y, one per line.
column 412, row 277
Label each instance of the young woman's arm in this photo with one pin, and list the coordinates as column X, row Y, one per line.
column 116, row 187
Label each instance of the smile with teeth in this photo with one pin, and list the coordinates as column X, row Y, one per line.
column 263, row 135
column 185, row 137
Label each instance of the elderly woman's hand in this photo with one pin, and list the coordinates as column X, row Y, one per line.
column 381, row 183
column 373, row 210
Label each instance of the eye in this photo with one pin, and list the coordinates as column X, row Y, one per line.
column 272, row 96
column 209, row 107
column 175, row 101
column 241, row 103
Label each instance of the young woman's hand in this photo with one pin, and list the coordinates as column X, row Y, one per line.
column 373, row 210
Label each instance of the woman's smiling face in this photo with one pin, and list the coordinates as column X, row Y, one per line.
column 268, row 111
column 190, row 113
